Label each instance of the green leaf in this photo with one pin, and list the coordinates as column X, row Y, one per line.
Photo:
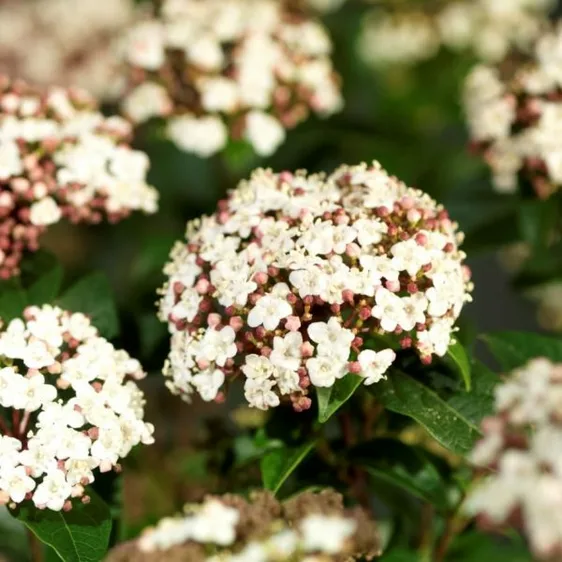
column 79, row 535
column 13, row 300
column 480, row 547
column 537, row 221
column 46, row 289
column 479, row 402
column 92, row 296
column 514, row 349
column 400, row 555
column 457, row 355
column 279, row 464
column 407, row 467
column 407, row 396
column 331, row 399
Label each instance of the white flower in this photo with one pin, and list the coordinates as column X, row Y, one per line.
column 16, row 483
column 264, row 132
column 53, row 491
column 375, row 364
column 286, row 352
column 204, row 136
column 215, row 523
column 146, row 101
column 45, row 212
column 389, row 309
column 218, row 345
column 10, row 159
column 324, row 371
column 145, row 45
column 208, row 383
column 258, row 367
column 269, row 311
column 259, row 393
column 333, row 340
column 326, row 533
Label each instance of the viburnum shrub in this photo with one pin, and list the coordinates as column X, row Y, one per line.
column 69, row 405
column 289, row 280
column 312, row 388
column 61, row 158
column 220, row 69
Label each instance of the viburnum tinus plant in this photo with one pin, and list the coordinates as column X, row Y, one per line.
column 308, row 386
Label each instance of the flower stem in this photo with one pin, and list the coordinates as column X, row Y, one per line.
column 35, row 547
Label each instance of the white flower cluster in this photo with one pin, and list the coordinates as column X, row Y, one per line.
column 487, row 27
column 229, row 68
column 64, row 42
column 291, row 279
column 60, row 157
column 74, row 407
column 229, row 529
column 522, row 444
column 515, row 117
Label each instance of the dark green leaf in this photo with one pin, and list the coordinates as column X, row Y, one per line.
column 278, row 465
column 405, row 395
column 331, row 399
column 92, row 295
column 481, row 547
column 479, row 402
column 537, row 220
column 46, row 289
column 457, row 355
column 79, row 535
column 13, row 300
column 400, row 555
column 514, row 349
column 404, row 466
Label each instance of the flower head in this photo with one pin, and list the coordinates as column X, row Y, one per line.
column 311, row 526
column 522, row 443
column 65, row 42
column 74, row 403
column 514, row 114
column 60, row 157
column 407, row 35
column 294, row 275
column 220, row 69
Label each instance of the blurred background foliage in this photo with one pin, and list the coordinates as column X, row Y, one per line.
column 410, row 119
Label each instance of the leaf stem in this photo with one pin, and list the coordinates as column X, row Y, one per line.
column 35, row 547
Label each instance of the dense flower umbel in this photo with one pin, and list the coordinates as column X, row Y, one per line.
column 289, row 280
column 522, row 444
column 312, row 527
column 409, row 34
column 60, row 157
column 69, row 405
column 65, row 42
column 514, row 114
column 229, row 68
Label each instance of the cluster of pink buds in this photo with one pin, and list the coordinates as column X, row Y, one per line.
column 291, row 280
column 220, row 69
column 522, row 454
column 69, row 405
column 60, row 157
column 514, row 113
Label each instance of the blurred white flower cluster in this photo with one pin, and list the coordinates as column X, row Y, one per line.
column 70, row 405
column 514, row 113
column 291, row 279
column 522, row 445
column 65, row 42
column 489, row 28
column 220, row 69
column 60, row 157
column 309, row 528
